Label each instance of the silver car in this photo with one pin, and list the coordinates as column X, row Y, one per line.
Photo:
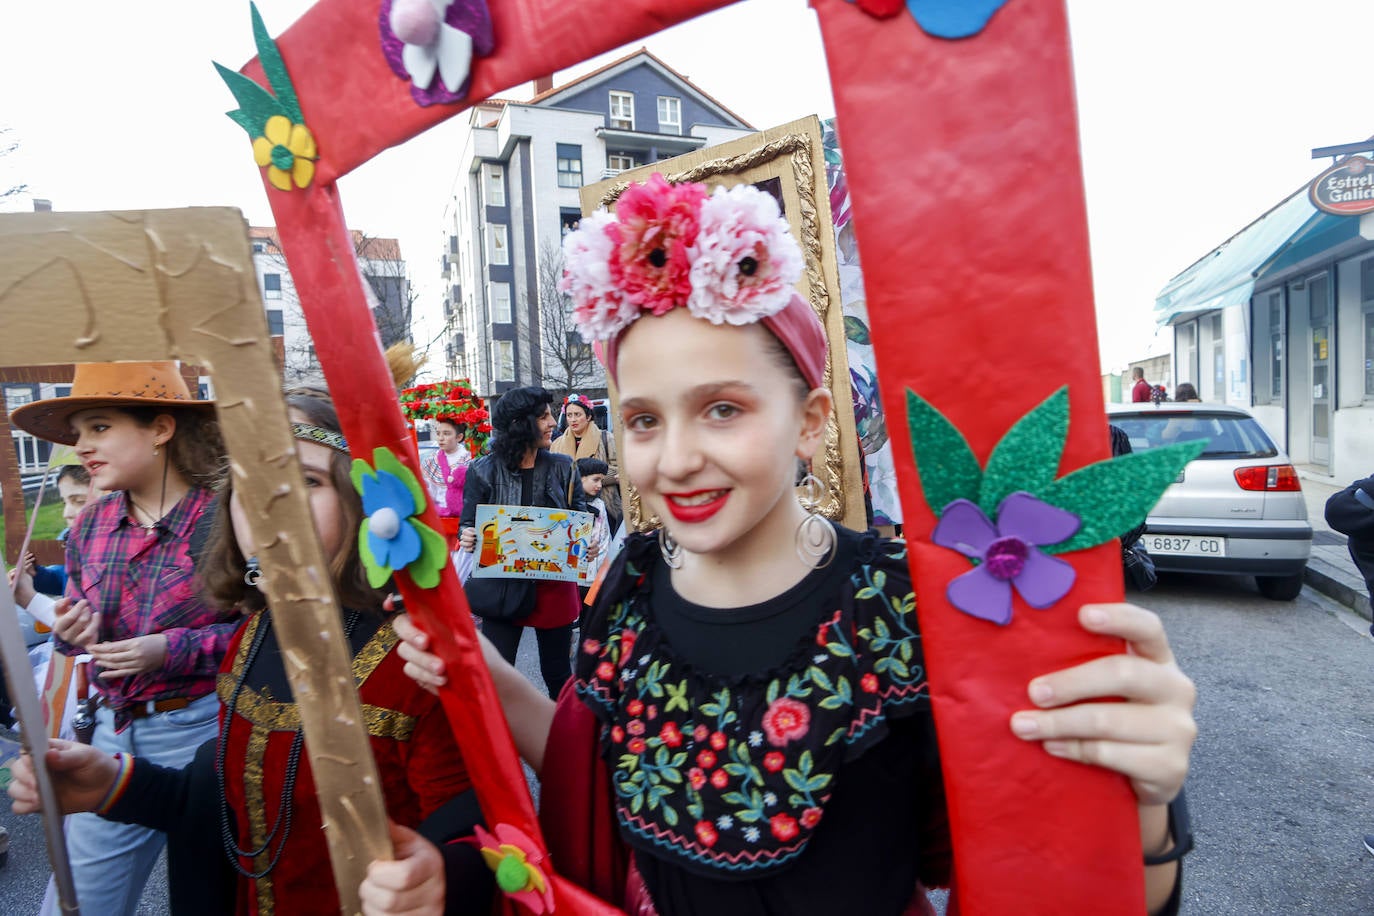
column 1237, row 508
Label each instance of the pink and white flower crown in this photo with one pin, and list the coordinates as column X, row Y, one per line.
column 727, row 256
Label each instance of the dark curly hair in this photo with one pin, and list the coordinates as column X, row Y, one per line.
column 196, row 449
column 515, row 424
column 222, row 564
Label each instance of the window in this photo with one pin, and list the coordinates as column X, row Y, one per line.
column 669, row 115
column 623, row 110
column 503, row 360
column 494, row 185
column 569, row 166
column 499, row 297
column 1276, row 346
column 271, row 286
column 619, row 162
column 259, row 247
column 453, row 244
column 17, row 397
column 498, row 249
column 275, row 323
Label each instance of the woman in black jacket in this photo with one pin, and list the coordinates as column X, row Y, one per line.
column 521, row 471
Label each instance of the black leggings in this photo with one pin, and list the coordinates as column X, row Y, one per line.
column 555, row 649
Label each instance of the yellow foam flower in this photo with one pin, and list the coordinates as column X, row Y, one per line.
column 287, row 151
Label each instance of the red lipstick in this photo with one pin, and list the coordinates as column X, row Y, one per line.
column 698, row 512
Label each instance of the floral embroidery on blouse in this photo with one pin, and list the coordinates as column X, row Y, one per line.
column 733, row 774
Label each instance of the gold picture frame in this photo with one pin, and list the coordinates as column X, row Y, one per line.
column 790, row 161
column 180, row 284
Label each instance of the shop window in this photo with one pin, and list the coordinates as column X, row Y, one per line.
column 1276, row 346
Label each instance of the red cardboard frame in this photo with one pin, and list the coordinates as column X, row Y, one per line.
column 981, row 271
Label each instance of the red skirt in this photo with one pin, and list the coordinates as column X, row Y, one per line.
column 556, row 604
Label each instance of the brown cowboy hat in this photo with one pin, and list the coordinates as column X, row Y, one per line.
column 126, row 384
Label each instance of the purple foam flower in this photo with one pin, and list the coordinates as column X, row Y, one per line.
column 1009, row 554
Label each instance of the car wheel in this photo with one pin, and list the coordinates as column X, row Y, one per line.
column 1280, row 588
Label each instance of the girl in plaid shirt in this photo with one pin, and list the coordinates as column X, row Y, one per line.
column 132, row 601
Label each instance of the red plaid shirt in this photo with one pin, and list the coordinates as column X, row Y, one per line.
column 142, row 581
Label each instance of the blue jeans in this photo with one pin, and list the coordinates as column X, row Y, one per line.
column 110, row 861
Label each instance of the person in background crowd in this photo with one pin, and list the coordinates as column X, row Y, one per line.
column 1141, row 390
column 520, row 470
column 1351, row 512
column 593, row 470
column 584, row 439
column 133, row 601
column 1186, row 392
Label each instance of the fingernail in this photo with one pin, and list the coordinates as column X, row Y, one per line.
column 1024, row 725
column 1056, row 748
column 1041, row 692
column 1095, row 617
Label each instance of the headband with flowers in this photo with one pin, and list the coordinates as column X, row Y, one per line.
column 727, row 256
column 453, row 402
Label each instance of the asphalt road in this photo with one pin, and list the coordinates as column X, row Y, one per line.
column 1282, row 789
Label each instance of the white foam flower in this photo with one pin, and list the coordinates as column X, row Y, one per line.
column 600, row 309
column 431, row 43
column 745, row 262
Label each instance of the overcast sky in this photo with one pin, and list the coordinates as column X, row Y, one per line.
column 1196, row 117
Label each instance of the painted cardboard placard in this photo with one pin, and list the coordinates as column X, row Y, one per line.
column 925, row 97
column 531, row 542
column 180, row 284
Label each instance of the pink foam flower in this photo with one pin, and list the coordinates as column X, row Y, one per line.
column 600, row 308
column 745, row 262
column 654, row 233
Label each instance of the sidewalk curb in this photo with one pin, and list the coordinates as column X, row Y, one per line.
column 1325, row 578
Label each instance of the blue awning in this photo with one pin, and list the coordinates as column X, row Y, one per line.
column 1226, row 276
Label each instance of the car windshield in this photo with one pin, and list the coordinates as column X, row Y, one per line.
column 1228, row 435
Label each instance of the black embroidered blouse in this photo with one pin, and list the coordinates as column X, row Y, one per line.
column 737, row 738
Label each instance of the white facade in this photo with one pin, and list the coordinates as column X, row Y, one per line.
column 385, row 270
column 517, row 192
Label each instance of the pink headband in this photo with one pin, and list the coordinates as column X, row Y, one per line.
column 797, row 326
column 727, row 257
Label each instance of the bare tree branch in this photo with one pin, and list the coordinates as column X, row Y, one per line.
column 569, row 364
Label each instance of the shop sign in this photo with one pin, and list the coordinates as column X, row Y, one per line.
column 1345, row 189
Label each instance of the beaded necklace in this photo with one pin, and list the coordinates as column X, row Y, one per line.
column 282, row 822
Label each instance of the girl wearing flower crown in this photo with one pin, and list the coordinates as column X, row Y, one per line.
column 757, row 744
column 243, row 817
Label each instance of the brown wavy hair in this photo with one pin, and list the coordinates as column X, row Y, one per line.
column 222, row 564
column 196, row 448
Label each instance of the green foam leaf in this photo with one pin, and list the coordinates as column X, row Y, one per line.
column 275, row 69
column 255, row 103
column 946, row 464
column 424, row 570
column 1027, row 457
column 357, row 471
column 385, row 460
column 377, row 574
column 1111, row 497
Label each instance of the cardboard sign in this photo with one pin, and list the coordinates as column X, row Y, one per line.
column 531, row 542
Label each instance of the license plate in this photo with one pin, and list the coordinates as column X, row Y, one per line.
column 1184, row 545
